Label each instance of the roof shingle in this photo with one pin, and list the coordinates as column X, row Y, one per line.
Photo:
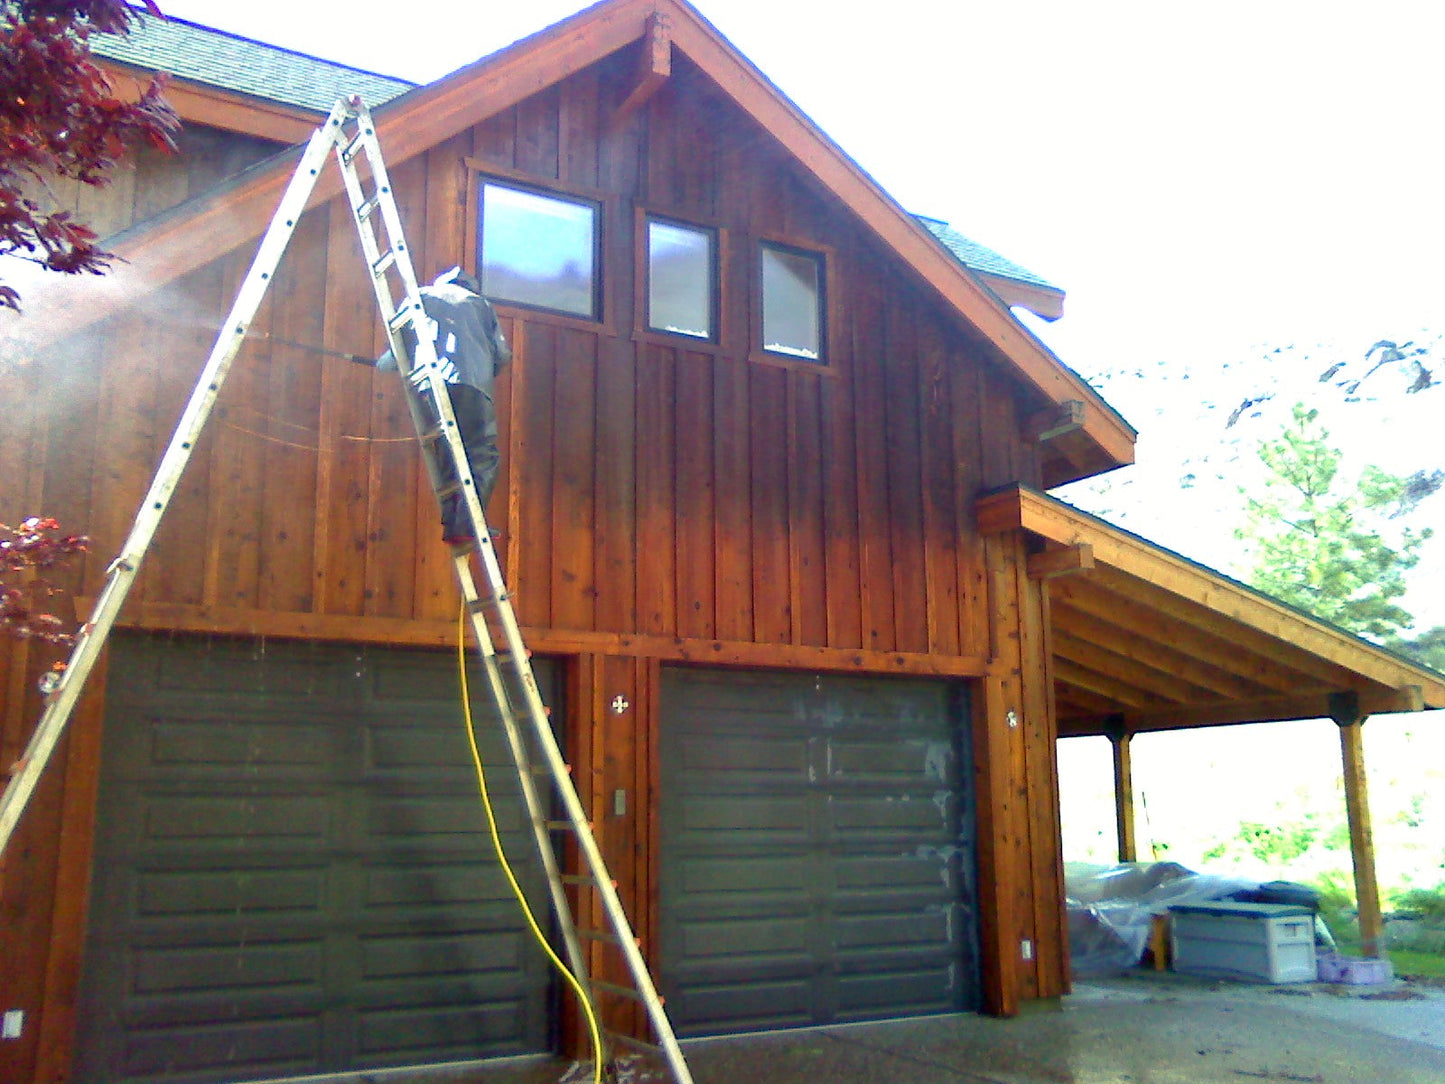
column 200, row 54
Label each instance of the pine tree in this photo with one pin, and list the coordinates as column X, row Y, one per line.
column 1317, row 538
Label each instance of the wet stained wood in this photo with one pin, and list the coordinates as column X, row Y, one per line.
column 293, row 393
column 573, row 589
column 344, row 545
column 902, row 438
column 532, row 468
column 807, row 554
column 771, row 582
column 870, row 425
column 837, row 457
column 940, row 513
column 695, row 498
column 656, row 533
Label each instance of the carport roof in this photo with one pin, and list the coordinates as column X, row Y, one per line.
column 1145, row 639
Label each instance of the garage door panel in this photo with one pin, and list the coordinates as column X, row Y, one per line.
column 253, row 911
column 276, row 1047
column 769, row 874
column 216, row 968
column 746, row 1006
column 930, row 872
column 161, row 893
column 716, row 819
column 817, row 863
column 422, row 954
column 865, row 760
column 895, row 992
column 410, row 1036
column 905, row 818
column 745, row 756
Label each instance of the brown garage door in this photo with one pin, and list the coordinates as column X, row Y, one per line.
column 292, row 874
column 818, row 856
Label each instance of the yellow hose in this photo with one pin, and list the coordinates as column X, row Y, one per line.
column 537, row 933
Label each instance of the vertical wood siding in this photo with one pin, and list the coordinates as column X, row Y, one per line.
column 649, row 486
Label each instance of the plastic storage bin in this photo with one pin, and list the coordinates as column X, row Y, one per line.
column 1260, row 942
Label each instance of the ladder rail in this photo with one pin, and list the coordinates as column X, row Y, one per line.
column 123, row 570
column 398, row 319
column 420, row 357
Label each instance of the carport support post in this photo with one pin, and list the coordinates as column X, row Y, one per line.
column 1345, row 711
column 1120, row 739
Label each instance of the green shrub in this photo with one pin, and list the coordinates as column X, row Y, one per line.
column 1428, row 903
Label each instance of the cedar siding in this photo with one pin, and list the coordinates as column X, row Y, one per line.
column 663, row 487
column 662, row 499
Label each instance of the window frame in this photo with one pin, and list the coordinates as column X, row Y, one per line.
column 826, row 258
column 479, row 174
column 642, row 280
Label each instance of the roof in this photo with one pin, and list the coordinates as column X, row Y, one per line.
column 236, row 212
column 230, row 62
column 1145, row 639
column 980, row 257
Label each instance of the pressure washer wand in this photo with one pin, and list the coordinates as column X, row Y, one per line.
column 359, row 359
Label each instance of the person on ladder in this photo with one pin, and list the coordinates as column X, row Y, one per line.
column 472, row 350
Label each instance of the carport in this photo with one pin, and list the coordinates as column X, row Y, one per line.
column 1146, row 640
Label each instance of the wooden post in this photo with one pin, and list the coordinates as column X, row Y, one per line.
column 1345, row 711
column 1120, row 739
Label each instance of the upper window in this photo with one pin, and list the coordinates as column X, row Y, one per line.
column 792, row 302
column 539, row 249
column 681, row 273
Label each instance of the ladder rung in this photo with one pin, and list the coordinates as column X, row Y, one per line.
column 352, row 149
column 599, row 935
column 403, row 317
column 366, row 207
column 617, row 991
column 383, row 265
column 542, row 769
column 636, row 1044
column 481, row 603
column 579, row 879
column 566, row 826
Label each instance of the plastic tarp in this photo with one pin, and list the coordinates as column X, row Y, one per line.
column 1112, row 908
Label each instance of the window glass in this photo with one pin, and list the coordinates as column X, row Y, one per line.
column 538, row 249
column 680, row 277
column 792, row 302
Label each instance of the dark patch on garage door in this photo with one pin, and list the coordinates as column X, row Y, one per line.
column 818, row 860
column 292, row 870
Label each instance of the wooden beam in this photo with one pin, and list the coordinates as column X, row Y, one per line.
column 1121, row 694
column 1054, row 421
column 1313, row 705
column 1122, row 614
column 1349, row 716
column 654, row 66
column 196, row 103
column 1121, row 740
column 180, row 617
column 1166, row 656
column 1021, row 508
column 1053, row 563
column 1100, row 659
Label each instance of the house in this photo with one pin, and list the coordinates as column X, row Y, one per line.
column 774, row 512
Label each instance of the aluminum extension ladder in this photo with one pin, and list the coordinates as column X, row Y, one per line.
column 350, row 134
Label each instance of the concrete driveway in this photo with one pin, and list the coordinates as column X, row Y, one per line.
column 1147, row 1029
column 1144, row 1028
